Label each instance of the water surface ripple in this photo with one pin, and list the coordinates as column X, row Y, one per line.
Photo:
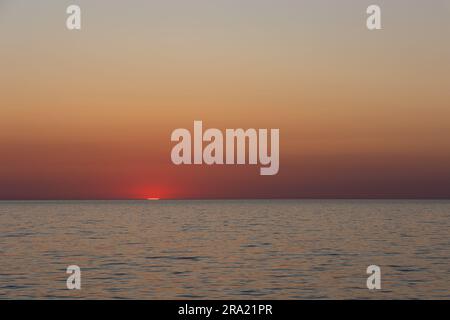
column 295, row 249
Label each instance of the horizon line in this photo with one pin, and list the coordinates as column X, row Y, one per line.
column 231, row 199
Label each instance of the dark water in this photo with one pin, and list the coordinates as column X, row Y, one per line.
column 225, row 249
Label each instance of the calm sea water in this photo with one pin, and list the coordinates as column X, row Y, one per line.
column 225, row 249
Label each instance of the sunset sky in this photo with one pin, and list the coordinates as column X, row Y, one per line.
column 88, row 114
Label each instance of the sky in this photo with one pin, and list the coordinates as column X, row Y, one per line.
column 88, row 114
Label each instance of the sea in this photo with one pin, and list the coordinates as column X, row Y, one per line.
column 225, row 249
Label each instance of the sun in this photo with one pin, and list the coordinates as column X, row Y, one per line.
column 153, row 199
